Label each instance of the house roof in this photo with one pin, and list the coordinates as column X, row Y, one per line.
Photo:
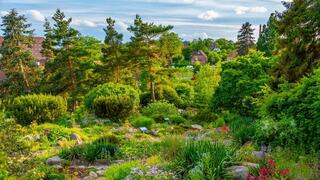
column 199, row 53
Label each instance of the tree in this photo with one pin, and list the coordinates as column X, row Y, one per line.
column 207, row 80
column 299, row 45
column 61, row 71
column 245, row 39
column 48, row 44
column 144, row 49
column 241, row 80
column 113, row 61
column 17, row 61
column 268, row 39
column 170, row 46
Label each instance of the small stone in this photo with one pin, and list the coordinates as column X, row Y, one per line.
column 250, row 165
column 196, row 127
column 56, row 160
column 259, row 154
column 93, row 174
column 143, row 129
column 100, row 173
column 227, row 142
column 239, row 172
column 76, row 137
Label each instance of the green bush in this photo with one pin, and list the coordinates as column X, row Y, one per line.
column 142, row 121
column 176, row 119
column 39, row 108
column 205, row 115
column 242, row 130
column 160, row 110
column 186, row 94
column 167, row 93
column 204, row 159
column 90, row 152
column 113, row 107
column 44, row 172
column 120, row 171
column 292, row 117
column 113, row 101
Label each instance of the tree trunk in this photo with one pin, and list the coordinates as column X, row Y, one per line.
column 25, row 79
column 73, row 83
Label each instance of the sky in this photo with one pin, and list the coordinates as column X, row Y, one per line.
column 191, row 18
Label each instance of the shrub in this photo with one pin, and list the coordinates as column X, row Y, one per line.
column 39, row 108
column 167, row 93
column 176, row 119
column 90, row 152
column 113, row 101
column 159, row 110
column 205, row 115
column 44, row 172
column 204, row 159
column 113, row 107
column 243, row 130
column 142, row 121
column 292, row 117
column 120, row 171
column 186, row 94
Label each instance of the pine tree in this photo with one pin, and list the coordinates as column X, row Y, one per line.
column 170, row 46
column 60, row 73
column 113, row 62
column 17, row 61
column 299, row 45
column 144, row 48
column 48, row 44
column 245, row 39
column 268, row 39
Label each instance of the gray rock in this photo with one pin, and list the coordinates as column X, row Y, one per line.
column 93, row 174
column 259, row 154
column 56, row 160
column 76, row 137
column 143, row 129
column 238, row 172
column 196, row 127
column 100, row 173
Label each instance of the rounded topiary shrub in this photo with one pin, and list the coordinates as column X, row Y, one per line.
column 38, row 108
column 112, row 101
column 142, row 121
column 160, row 110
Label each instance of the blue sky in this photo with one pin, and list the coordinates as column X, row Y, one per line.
column 190, row 18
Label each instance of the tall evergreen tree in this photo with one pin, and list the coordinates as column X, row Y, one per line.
column 144, row 47
column 17, row 61
column 48, row 44
column 60, row 73
column 245, row 39
column 170, row 46
column 299, row 43
column 268, row 38
column 113, row 61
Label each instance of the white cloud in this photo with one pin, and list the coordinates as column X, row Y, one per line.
column 243, row 10
column 37, row 15
column 85, row 23
column 3, row 13
column 122, row 26
column 209, row 15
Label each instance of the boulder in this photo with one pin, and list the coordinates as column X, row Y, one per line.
column 93, row 174
column 76, row 138
column 259, row 154
column 196, row 127
column 238, row 172
column 56, row 160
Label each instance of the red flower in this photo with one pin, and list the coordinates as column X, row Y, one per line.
column 272, row 163
column 225, row 129
column 251, row 177
column 264, row 171
column 284, row 172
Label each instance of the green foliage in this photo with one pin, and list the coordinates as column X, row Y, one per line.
column 176, row 119
column 298, row 46
column 44, row 172
column 205, row 115
column 38, row 108
column 268, row 40
column 159, row 110
column 245, row 39
column 99, row 149
column 142, row 121
column 113, row 107
column 241, row 80
column 170, row 46
column 242, row 130
column 120, row 171
column 291, row 117
column 167, row 93
column 207, row 80
column 186, row 94
column 113, row 101
column 204, row 159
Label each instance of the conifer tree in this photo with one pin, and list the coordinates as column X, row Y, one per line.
column 144, row 49
column 245, row 39
column 113, row 62
column 299, row 45
column 17, row 61
column 48, row 44
column 268, row 38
